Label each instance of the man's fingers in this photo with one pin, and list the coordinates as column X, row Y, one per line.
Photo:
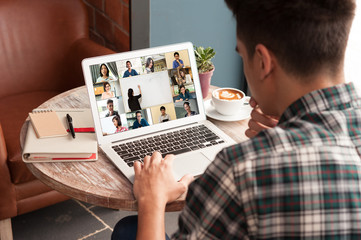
column 186, row 180
column 258, row 116
column 250, row 133
column 168, row 159
column 147, row 161
column 137, row 167
column 256, row 126
column 156, row 158
column 182, row 186
column 252, row 102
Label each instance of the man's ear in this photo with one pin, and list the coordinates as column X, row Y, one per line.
column 263, row 57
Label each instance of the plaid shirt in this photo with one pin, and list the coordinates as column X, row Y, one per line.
column 299, row 180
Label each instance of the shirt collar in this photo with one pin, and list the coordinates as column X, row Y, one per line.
column 336, row 97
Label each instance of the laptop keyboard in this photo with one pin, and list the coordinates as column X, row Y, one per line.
column 176, row 142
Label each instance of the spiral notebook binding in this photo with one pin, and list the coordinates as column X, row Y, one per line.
column 42, row 110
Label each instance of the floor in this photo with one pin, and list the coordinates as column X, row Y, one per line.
column 73, row 219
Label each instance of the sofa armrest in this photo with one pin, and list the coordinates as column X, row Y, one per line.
column 8, row 199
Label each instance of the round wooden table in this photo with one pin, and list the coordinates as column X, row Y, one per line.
column 100, row 182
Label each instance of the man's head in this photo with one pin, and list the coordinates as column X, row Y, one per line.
column 186, row 106
column 162, row 110
column 304, row 35
column 110, row 105
column 129, row 64
column 290, row 48
column 138, row 114
column 176, row 55
column 104, row 71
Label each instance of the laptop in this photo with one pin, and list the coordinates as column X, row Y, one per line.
column 141, row 103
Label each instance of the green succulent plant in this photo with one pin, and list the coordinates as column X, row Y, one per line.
column 203, row 58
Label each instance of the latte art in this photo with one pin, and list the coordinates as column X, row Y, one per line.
column 228, row 94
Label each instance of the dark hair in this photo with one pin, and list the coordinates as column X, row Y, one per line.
column 180, row 87
column 128, row 62
column 148, row 62
column 118, row 120
column 137, row 112
column 100, row 70
column 109, row 101
column 176, row 53
column 304, row 35
column 130, row 93
column 183, row 71
column 186, row 103
column 162, row 108
column 105, row 84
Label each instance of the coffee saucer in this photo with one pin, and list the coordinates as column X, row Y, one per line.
column 212, row 113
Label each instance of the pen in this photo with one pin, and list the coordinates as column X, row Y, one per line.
column 70, row 123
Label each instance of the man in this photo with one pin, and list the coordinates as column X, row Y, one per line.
column 129, row 72
column 140, row 122
column 110, row 106
column 177, row 63
column 299, row 179
column 188, row 110
column 164, row 117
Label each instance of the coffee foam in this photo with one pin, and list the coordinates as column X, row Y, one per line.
column 228, row 94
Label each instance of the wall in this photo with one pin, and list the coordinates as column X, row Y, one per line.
column 109, row 23
column 353, row 51
column 203, row 22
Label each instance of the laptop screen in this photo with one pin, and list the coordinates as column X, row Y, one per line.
column 135, row 93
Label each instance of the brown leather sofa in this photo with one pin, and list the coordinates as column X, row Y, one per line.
column 42, row 43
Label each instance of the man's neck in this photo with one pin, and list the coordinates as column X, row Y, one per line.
column 291, row 89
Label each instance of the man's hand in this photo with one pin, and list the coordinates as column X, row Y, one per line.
column 259, row 121
column 154, row 182
column 154, row 186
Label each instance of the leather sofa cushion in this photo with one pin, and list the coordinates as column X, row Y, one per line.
column 14, row 111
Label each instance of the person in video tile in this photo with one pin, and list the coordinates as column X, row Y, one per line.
column 149, row 65
column 133, row 101
column 140, row 122
column 188, row 109
column 183, row 94
column 183, row 78
column 104, row 74
column 177, row 63
column 130, row 71
column 110, row 106
column 118, row 125
column 164, row 117
column 107, row 91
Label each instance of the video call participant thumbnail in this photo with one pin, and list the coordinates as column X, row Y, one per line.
column 107, row 91
column 118, row 125
column 110, row 107
column 129, row 72
column 177, row 63
column 164, row 117
column 104, row 74
column 140, row 122
column 187, row 107
column 183, row 94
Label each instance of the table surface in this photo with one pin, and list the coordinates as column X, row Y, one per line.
column 100, row 182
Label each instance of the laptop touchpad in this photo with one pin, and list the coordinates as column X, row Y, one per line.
column 195, row 164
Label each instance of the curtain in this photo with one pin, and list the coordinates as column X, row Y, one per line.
column 113, row 67
column 95, row 72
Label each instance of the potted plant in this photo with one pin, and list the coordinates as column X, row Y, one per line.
column 205, row 67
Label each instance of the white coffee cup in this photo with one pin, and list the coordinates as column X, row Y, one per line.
column 228, row 101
